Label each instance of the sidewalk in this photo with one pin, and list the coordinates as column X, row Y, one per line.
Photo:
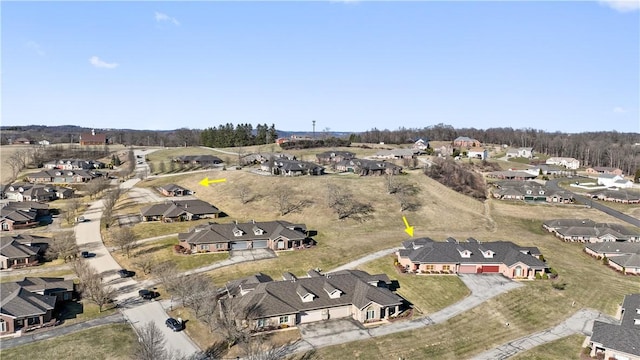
column 59, row 331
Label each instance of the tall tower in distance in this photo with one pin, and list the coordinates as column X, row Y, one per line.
column 314, row 128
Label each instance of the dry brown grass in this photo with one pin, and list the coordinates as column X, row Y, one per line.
column 569, row 347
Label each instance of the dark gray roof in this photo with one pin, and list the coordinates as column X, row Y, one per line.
column 621, row 194
column 178, row 207
column 218, row 233
column 17, row 215
column 13, row 249
column 626, row 336
column 46, row 284
column 281, row 297
column 200, row 158
column 504, row 252
column 173, row 187
column 622, row 248
column 18, row 302
column 586, row 227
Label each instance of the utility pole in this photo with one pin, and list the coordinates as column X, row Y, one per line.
column 314, row 129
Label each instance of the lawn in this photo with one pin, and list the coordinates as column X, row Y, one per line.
column 569, row 347
column 6, row 277
column 162, row 250
column 420, row 289
column 80, row 345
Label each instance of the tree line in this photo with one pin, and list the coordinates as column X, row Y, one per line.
column 241, row 135
column 603, row 148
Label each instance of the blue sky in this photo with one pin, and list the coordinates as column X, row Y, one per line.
column 350, row 66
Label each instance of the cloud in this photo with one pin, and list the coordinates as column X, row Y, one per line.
column 95, row 61
column 622, row 5
column 35, row 47
column 619, row 110
column 160, row 17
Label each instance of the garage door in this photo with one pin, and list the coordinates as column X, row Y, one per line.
column 468, row 269
column 259, row 244
column 490, row 268
column 239, row 245
column 310, row 316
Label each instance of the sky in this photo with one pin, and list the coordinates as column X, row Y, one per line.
column 569, row 66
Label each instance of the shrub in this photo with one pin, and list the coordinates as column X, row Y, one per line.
column 605, row 261
column 545, row 276
column 538, row 276
column 559, row 286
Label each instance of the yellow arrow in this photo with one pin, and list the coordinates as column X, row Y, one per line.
column 206, row 181
column 408, row 229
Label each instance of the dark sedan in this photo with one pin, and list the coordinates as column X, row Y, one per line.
column 174, row 324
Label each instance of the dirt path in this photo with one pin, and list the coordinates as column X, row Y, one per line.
column 491, row 224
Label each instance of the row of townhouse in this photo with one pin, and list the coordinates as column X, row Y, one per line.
column 36, row 192
column 588, row 231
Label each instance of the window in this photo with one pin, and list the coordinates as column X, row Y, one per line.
column 33, row 320
column 3, row 326
column 204, row 247
column 284, row 319
column 261, row 323
column 429, row 267
column 446, row 267
column 371, row 314
column 219, row 246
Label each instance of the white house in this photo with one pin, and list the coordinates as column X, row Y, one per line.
column 612, row 180
column 569, row 163
column 478, row 153
column 421, row 144
column 520, row 152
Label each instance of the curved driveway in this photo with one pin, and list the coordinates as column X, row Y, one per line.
column 553, row 185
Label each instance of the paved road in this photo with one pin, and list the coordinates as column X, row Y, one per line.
column 366, row 259
column 59, row 331
column 483, row 287
column 580, row 322
column 553, row 185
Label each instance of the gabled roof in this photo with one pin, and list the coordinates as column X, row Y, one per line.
column 618, row 194
column 505, row 252
column 18, row 302
column 41, row 284
column 622, row 248
column 200, row 158
column 12, row 249
column 626, row 336
column 627, row 261
column 173, row 187
column 17, row 215
column 282, row 297
column 178, row 207
column 222, row 233
column 556, row 223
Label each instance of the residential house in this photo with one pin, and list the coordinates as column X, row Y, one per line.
column 365, row 167
column 62, row 176
column 87, row 139
column 529, row 191
column 179, row 210
column 567, row 162
column 30, row 304
column 585, row 230
column 478, row 153
column 274, row 235
column 621, row 256
column 199, row 160
column 426, row 256
column 465, row 142
column 31, row 192
column 545, row 169
column 619, row 196
column 174, row 190
column 611, row 180
column 41, row 209
column 604, row 170
column 444, row 151
column 618, row 341
column 512, row 175
column 329, row 157
column 259, row 158
column 522, row 152
column 74, row 164
column 292, row 167
column 398, row 154
column 14, row 219
column 44, row 143
column 22, row 250
column 21, row 141
column 317, row 297
column 421, row 144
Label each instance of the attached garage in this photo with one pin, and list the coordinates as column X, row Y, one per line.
column 490, row 269
column 239, row 245
column 311, row 316
column 340, row 312
column 260, row 244
column 468, row 269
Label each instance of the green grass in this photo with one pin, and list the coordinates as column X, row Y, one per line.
column 569, row 347
column 54, row 273
column 520, row 160
column 144, row 230
column 420, row 289
column 81, row 345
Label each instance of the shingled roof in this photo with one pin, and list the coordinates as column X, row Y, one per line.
column 504, row 252
column 222, row 233
column 626, row 336
column 276, row 298
column 178, row 207
column 16, row 301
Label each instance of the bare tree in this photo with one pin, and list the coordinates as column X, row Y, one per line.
column 345, row 206
column 125, row 239
column 150, row 344
column 162, row 168
column 62, row 246
column 91, row 285
column 195, row 290
column 258, row 347
column 244, row 193
column 286, row 202
column 145, row 263
column 166, row 273
column 15, row 162
column 109, row 203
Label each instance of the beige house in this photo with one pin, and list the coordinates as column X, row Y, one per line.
column 317, row 297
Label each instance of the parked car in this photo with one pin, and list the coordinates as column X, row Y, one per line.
column 174, row 324
column 86, row 254
column 81, row 219
column 124, row 273
column 148, row 294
